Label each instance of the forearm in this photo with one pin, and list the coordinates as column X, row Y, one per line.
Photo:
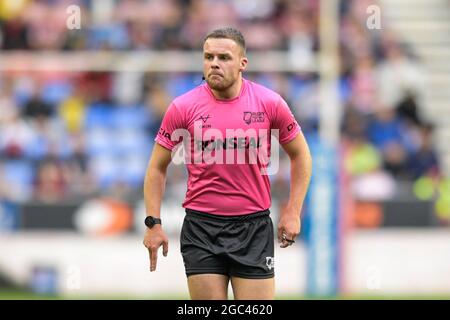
column 301, row 168
column 154, row 187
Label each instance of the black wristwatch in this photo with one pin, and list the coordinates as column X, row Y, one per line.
column 151, row 221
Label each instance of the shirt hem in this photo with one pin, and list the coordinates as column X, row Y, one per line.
column 226, row 214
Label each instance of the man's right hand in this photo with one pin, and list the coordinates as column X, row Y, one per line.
column 153, row 239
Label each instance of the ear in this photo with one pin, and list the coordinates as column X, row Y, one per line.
column 243, row 65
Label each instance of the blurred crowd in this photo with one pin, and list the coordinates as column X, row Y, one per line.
column 157, row 24
column 69, row 135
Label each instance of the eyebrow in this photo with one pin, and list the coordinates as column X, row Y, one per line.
column 218, row 54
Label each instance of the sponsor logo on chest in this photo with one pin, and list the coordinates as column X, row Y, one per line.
column 204, row 119
column 251, row 117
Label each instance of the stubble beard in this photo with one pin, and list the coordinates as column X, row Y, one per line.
column 222, row 85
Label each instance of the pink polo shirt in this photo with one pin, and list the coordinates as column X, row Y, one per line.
column 227, row 146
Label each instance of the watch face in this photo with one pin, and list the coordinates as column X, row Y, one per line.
column 149, row 222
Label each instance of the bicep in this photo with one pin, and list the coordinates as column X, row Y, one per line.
column 297, row 147
column 160, row 158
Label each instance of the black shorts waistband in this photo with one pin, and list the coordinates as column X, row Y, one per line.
column 244, row 217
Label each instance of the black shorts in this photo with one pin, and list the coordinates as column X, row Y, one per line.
column 241, row 246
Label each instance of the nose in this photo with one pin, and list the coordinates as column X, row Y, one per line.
column 214, row 63
column 214, row 66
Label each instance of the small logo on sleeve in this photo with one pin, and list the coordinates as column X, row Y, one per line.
column 291, row 126
column 164, row 133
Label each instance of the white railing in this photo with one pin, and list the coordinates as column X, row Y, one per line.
column 149, row 61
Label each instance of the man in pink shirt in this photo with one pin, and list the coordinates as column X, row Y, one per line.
column 223, row 129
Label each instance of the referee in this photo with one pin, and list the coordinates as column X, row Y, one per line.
column 227, row 233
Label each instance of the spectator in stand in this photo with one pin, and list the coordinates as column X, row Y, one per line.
column 50, row 185
column 398, row 76
column 16, row 135
column 363, row 84
column 80, row 182
column 36, row 107
column 424, row 161
column 157, row 101
column 408, row 109
column 364, row 163
column 73, row 111
column 387, row 133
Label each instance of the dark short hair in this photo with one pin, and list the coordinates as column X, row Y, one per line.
column 228, row 33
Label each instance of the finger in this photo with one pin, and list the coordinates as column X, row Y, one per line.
column 150, row 257
column 285, row 237
column 284, row 244
column 165, row 247
column 280, row 234
column 153, row 258
column 290, row 236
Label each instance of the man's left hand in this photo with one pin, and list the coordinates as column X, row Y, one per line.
column 288, row 227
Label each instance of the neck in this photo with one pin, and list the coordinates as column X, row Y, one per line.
column 231, row 93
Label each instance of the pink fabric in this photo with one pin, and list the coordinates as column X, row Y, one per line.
column 221, row 188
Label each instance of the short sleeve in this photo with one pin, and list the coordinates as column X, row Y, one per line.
column 172, row 120
column 285, row 121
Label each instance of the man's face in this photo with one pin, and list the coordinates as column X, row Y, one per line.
column 223, row 59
